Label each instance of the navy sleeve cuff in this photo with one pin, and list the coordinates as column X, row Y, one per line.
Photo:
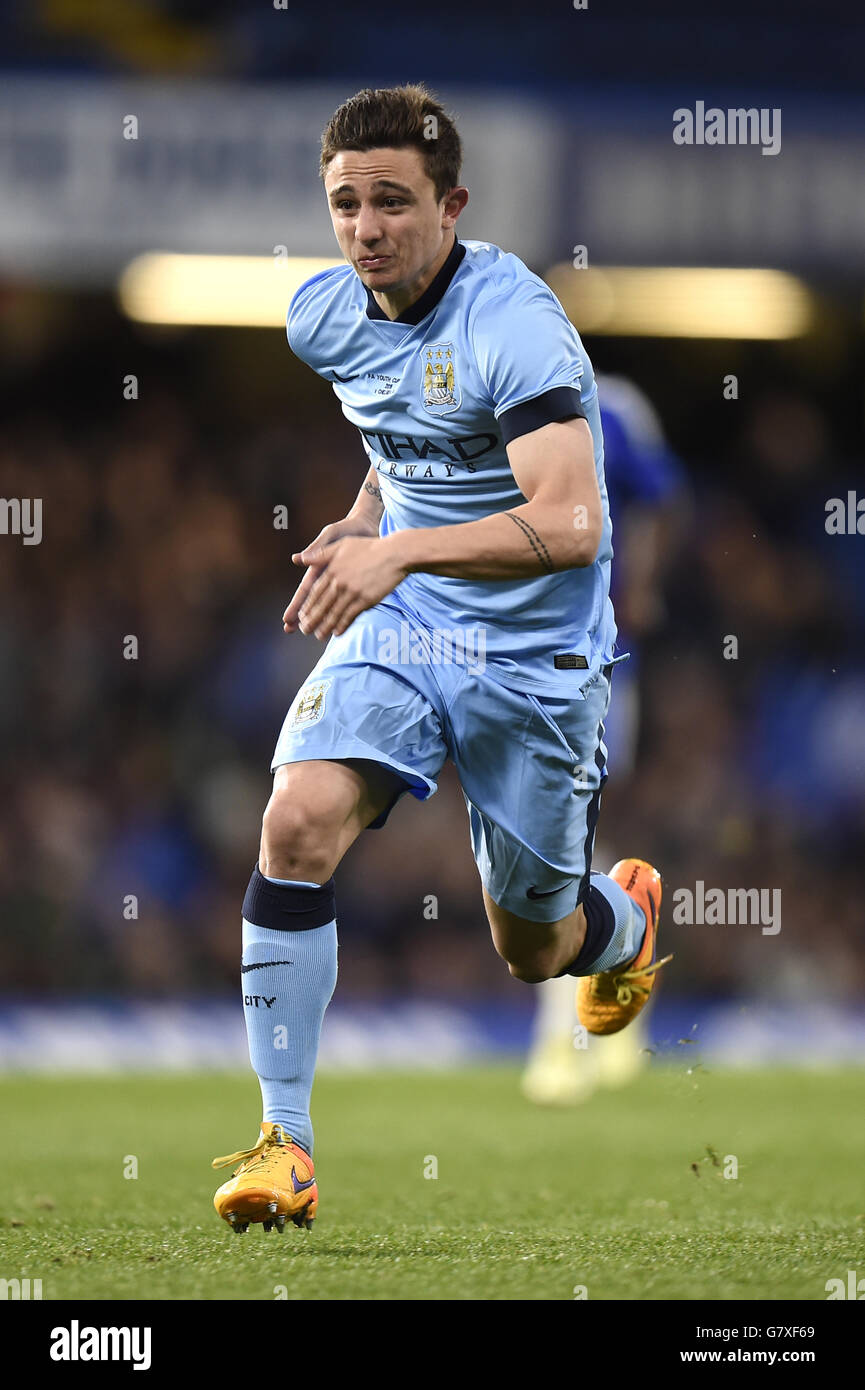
column 562, row 403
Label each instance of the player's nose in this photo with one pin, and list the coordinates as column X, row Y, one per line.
column 367, row 227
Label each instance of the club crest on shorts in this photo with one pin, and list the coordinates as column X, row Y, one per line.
column 309, row 705
column 440, row 390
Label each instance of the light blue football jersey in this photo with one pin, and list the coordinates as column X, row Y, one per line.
column 486, row 354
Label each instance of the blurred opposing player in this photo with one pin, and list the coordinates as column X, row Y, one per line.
column 644, row 482
column 466, row 596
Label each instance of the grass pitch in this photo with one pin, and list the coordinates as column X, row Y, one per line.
column 621, row 1195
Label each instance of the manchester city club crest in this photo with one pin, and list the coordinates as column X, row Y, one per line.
column 441, row 390
column 309, row 704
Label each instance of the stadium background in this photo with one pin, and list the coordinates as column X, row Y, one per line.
column 148, row 777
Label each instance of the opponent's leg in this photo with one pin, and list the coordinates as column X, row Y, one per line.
column 289, row 971
column 561, row 1067
column 565, row 1065
column 621, row 1057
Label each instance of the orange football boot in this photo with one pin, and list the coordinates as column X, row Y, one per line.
column 608, row 1002
column 275, row 1182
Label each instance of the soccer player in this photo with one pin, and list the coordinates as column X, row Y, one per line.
column 466, row 599
column 645, row 484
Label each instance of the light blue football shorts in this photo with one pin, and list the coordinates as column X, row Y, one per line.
column 531, row 767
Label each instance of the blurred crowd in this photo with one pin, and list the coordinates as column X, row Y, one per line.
column 135, row 771
column 542, row 43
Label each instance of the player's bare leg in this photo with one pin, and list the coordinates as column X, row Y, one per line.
column 535, row 951
column 315, row 813
column 616, row 968
column 317, row 810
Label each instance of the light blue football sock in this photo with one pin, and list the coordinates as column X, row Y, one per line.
column 629, row 925
column 288, row 977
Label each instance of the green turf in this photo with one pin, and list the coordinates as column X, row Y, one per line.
column 527, row 1204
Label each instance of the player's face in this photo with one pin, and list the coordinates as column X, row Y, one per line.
column 389, row 224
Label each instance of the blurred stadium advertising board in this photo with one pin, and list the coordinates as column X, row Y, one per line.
column 95, row 171
column 218, row 168
column 409, row 1034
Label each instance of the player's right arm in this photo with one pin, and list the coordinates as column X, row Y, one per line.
column 362, row 520
column 365, row 515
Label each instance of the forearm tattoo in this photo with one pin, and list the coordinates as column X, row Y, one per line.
column 534, row 541
column 373, row 490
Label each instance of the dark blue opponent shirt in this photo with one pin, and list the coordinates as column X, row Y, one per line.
column 641, row 469
column 486, row 355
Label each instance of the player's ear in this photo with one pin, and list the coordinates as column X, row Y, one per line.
column 453, row 204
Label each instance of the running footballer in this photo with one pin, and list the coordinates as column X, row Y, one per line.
column 465, row 604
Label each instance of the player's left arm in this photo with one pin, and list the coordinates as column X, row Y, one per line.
column 557, row 528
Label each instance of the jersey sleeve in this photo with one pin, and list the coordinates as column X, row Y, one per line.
column 294, row 321
column 529, row 357
column 310, row 324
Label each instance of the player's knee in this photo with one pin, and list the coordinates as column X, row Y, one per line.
column 535, row 968
column 532, row 951
column 297, row 840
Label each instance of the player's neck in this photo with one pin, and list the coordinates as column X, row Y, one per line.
column 396, row 303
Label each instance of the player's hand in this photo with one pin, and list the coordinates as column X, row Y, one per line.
column 313, row 556
column 352, row 574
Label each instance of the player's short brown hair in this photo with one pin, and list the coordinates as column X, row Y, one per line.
column 392, row 118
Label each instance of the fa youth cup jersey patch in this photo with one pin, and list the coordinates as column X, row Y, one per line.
column 485, row 355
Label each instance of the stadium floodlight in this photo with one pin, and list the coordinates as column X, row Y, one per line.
column 220, row 291
column 680, row 302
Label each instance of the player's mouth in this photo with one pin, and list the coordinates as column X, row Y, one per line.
column 372, row 262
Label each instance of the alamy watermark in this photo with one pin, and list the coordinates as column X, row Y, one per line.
column 845, row 516
column 852, row 1287
column 21, row 516
column 735, row 126
column 437, row 646
column 744, row 907
column 20, row 1289
column 77, row 1343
